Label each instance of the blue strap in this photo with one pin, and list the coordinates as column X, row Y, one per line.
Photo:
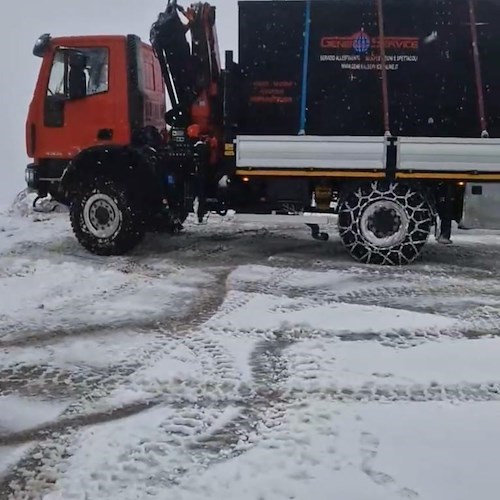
column 305, row 68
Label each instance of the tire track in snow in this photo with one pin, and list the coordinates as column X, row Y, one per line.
column 418, row 393
column 268, row 403
column 369, row 451
column 260, row 416
column 478, row 310
column 263, row 407
column 188, row 421
column 29, row 475
column 127, row 273
column 18, row 377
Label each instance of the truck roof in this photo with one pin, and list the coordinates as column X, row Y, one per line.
column 46, row 40
column 93, row 39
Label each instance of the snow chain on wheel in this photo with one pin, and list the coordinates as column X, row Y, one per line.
column 104, row 219
column 384, row 222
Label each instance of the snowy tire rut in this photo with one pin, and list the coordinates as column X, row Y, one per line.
column 231, row 350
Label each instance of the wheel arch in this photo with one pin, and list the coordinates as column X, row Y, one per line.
column 135, row 168
column 427, row 190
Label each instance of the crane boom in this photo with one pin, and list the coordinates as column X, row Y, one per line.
column 191, row 68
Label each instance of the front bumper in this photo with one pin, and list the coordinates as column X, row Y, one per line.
column 45, row 179
column 38, row 175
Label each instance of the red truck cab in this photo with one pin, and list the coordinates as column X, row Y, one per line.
column 91, row 91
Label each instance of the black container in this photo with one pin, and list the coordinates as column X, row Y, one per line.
column 271, row 49
column 323, row 77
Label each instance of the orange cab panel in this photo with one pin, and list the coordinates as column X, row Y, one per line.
column 81, row 97
column 153, row 89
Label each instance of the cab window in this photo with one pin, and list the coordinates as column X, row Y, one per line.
column 56, row 82
column 79, row 72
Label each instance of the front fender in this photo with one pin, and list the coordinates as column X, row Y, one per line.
column 131, row 166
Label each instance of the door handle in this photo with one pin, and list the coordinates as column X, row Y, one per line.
column 105, row 134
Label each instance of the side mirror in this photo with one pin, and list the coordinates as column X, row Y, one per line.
column 42, row 45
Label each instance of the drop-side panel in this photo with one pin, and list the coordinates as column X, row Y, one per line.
column 448, row 155
column 307, row 152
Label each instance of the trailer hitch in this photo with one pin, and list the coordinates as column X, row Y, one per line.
column 317, row 234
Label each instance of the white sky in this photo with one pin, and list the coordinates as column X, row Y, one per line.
column 27, row 19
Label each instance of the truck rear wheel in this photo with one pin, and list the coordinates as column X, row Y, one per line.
column 104, row 219
column 384, row 222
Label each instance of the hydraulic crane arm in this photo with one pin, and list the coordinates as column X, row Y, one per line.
column 191, row 69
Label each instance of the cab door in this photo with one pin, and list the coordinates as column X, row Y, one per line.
column 83, row 103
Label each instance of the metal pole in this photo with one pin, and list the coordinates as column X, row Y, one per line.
column 305, row 69
column 385, row 93
column 477, row 69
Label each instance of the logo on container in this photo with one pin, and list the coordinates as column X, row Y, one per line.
column 361, row 43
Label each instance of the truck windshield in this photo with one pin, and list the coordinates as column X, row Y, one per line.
column 88, row 67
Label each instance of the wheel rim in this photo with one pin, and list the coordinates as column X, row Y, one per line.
column 102, row 216
column 384, row 223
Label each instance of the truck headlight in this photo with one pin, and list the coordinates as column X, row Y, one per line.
column 29, row 176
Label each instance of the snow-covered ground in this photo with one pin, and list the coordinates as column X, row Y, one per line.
column 246, row 363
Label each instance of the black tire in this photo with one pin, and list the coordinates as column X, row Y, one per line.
column 104, row 219
column 384, row 223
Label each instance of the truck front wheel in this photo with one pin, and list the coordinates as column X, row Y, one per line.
column 104, row 219
column 384, row 222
